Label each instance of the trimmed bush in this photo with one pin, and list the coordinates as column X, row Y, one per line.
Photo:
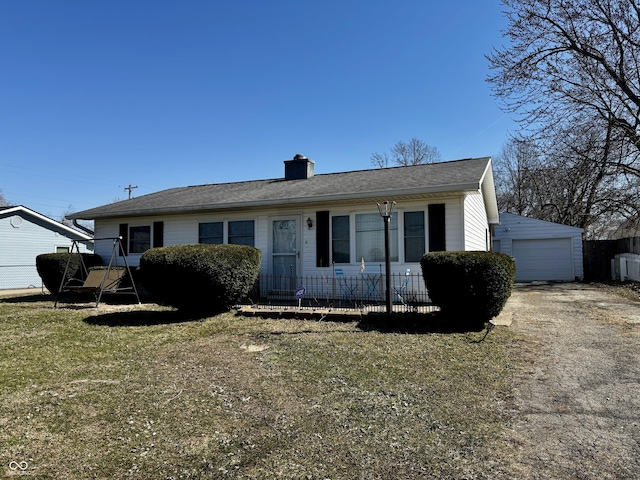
column 51, row 267
column 202, row 278
column 471, row 287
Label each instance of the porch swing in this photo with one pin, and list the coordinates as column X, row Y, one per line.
column 99, row 280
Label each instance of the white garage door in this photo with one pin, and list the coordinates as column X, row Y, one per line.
column 543, row 259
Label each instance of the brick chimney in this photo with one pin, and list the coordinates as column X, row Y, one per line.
column 299, row 168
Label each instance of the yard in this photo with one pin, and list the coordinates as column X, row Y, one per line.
column 139, row 392
column 131, row 392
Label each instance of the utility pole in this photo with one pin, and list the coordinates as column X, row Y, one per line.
column 130, row 188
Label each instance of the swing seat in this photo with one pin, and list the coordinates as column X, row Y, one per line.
column 98, row 279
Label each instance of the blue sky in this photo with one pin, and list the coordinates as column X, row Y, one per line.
column 97, row 95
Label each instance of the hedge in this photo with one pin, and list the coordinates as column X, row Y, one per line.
column 51, row 267
column 470, row 287
column 203, row 278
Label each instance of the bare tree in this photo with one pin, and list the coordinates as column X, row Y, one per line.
column 3, row 201
column 84, row 225
column 570, row 178
column 413, row 152
column 517, row 167
column 568, row 58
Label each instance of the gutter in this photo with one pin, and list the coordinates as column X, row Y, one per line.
column 86, row 230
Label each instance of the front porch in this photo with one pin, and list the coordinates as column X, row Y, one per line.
column 346, row 295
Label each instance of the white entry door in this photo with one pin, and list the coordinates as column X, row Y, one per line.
column 285, row 252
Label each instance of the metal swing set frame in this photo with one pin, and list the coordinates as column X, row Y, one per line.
column 101, row 280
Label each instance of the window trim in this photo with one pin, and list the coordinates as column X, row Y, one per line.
column 225, row 229
column 396, row 215
column 200, row 237
column 131, row 239
column 253, row 222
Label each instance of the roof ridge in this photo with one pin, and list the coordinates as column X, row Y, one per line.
column 279, row 179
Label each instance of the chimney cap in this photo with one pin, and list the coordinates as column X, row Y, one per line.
column 299, row 156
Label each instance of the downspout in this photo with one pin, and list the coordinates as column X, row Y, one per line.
column 86, row 230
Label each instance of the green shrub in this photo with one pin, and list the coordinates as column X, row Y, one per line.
column 470, row 287
column 51, row 267
column 203, row 278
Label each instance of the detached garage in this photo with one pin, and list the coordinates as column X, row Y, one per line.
column 542, row 250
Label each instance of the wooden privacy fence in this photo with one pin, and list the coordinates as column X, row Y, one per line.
column 328, row 290
column 599, row 254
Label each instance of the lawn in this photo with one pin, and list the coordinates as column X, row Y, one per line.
column 140, row 392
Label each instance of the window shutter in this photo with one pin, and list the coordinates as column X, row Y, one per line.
column 322, row 239
column 437, row 228
column 124, row 238
column 158, row 234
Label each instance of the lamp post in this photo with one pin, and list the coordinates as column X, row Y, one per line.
column 386, row 210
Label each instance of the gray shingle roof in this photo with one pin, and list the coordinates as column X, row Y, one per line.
column 442, row 177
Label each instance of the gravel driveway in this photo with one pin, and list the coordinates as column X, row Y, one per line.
column 576, row 405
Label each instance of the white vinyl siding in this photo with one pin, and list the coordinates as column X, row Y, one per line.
column 475, row 223
column 454, row 224
column 183, row 229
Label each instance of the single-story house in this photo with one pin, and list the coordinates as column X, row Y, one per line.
column 25, row 234
column 542, row 250
column 308, row 224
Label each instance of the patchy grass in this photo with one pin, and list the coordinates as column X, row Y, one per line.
column 139, row 392
column 628, row 289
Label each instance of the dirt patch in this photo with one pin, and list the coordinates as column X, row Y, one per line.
column 576, row 408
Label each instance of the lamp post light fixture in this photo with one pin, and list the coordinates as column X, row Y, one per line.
column 386, row 211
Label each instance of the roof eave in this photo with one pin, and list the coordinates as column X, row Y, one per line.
column 320, row 199
column 487, row 185
column 62, row 226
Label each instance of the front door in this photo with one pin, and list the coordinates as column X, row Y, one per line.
column 285, row 253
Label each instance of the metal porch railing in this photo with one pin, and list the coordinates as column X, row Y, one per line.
column 358, row 291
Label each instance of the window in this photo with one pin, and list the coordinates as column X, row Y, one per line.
column 62, row 249
column 210, row 232
column 413, row 236
column 370, row 237
column 340, row 245
column 242, row 233
column 139, row 239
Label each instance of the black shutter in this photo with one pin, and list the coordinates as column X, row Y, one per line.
column 124, row 238
column 158, row 234
column 322, row 238
column 436, row 228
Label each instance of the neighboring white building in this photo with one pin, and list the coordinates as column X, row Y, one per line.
column 25, row 234
column 542, row 250
column 305, row 224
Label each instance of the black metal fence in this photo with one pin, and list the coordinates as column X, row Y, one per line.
column 338, row 291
